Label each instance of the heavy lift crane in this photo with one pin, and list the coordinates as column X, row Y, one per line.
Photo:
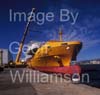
column 17, row 60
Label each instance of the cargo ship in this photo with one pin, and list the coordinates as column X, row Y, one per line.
column 54, row 56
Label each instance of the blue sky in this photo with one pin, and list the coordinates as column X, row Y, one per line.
column 86, row 29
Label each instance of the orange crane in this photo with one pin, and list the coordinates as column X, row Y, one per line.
column 17, row 61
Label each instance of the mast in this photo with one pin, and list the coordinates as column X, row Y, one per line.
column 60, row 34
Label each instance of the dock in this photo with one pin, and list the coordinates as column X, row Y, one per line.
column 7, row 87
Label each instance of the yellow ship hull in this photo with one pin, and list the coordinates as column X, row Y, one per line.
column 55, row 54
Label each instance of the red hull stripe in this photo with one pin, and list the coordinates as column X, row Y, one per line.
column 63, row 70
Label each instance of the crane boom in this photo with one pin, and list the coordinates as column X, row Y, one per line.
column 17, row 61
